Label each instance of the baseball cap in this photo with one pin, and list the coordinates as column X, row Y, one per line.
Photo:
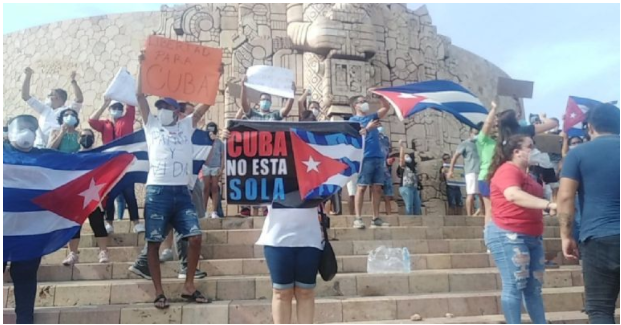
column 169, row 101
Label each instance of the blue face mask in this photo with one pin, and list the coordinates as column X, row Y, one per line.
column 70, row 120
column 265, row 105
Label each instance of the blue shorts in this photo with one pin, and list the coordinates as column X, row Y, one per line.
column 293, row 266
column 388, row 188
column 169, row 206
column 373, row 172
column 484, row 188
column 453, row 195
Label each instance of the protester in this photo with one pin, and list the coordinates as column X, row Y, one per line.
column 292, row 241
column 49, row 111
column 168, row 202
column 22, row 132
column 514, row 236
column 591, row 171
column 453, row 193
column 65, row 139
column 308, row 112
column 119, row 124
column 472, row 166
column 486, row 143
column 408, row 185
column 212, row 169
column 387, row 188
column 373, row 170
column 95, row 219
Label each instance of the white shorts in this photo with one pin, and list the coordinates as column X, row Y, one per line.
column 472, row 183
column 351, row 186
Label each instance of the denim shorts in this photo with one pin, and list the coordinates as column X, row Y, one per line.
column 373, row 172
column 293, row 266
column 169, row 206
column 484, row 188
column 388, row 188
column 210, row 171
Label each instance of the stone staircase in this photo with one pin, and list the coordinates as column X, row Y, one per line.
column 452, row 274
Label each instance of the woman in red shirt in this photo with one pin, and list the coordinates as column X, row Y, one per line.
column 514, row 236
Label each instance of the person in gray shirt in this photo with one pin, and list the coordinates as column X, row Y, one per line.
column 472, row 164
column 212, row 169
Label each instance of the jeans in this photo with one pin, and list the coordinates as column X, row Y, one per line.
column 520, row 260
column 24, row 275
column 411, row 198
column 119, row 205
column 293, row 266
column 129, row 196
column 372, row 172
column 600, row 267
column 453, row 196
column 167, row 206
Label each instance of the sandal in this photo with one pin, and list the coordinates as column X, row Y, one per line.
column 161, row 302
column 196, row 297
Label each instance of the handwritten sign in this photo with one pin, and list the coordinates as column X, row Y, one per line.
column 181, row 70
column 549, row 143
column 459, row 178
column 272, row 80
column 123, row 88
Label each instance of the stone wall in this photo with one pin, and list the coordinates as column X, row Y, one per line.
column 371, row 45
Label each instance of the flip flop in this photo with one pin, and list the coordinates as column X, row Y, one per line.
column 194, row 297
column 161, row 299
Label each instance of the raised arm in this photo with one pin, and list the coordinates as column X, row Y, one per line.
column 240, row 114
column 26, row 85
column 143, row 105
column 547, row 124
column 287, row 109
column 302, row 102
column 244, row 97
column 565, row 147
column 383, row 111
column 97, row 113
column 198, row 114
column 490, row 120
column 402, row 153
column 79, row 98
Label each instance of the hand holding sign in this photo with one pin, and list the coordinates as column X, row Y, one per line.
column 122, row 88
column 272, row 80
column 181, row 70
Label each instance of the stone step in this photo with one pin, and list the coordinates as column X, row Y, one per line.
column 327, row 310
column 250, row 236
column 341, row 247
column 343, row 221
column 81, row 293
column 562, row 317
column 257, row 266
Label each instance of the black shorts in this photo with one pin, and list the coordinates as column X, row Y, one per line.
column 544, row 175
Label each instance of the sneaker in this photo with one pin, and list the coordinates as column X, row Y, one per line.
column 71, row 259
column 245, row 212
column 166, row 256
column 141, row 271
column 358, row 224
column 379, row 223
column 103, row 257
column 551, row 265
column 138, row 228
column 197, row 275
column 214, row 215
column 109, row 228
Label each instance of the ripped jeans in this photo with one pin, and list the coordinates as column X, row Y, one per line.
column 520, row 260
column 169, row 206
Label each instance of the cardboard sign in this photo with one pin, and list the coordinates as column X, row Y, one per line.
column 459, row 178
column 272, row 80
column 548, row 143
column 181, row 70
column 235, row 92
column 515, row 88
column 123, row 88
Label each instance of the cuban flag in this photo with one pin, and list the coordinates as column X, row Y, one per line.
column 49, row 194
column 442, row 95
column 575, row 114
column 136, row 144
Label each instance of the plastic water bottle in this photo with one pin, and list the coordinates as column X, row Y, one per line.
column 407, row 264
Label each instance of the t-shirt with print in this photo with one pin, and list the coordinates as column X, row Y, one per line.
column 468, row 150
column 372, row 146
column 595, row 166
column 48, row 119
column 260, row 116
column 217, row 149
column 291, row 228
column 508, row 215
column 408, row 176
column 170, row 151
column 485, row 148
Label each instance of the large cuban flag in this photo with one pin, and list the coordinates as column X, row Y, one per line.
column 49, row 194
column 442, row 95
column 136, row 144
column 575, row 114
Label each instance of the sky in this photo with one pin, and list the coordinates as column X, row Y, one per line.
column 566, row 49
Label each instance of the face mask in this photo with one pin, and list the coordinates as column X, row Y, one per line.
column 116, row 113
column 315, row 112
column 87, row 141
column 48, row 102
column 408, row 159
column 167, row 117
column 265, row 105
column 23, row 138
column 364, row 107
column 70, row 120
column 573, row 146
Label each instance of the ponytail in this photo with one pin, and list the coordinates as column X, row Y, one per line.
column 504, row 152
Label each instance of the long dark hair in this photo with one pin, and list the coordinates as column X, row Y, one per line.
column 504, row 152
column 508, row 125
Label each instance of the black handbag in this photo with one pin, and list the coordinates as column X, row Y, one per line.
column 328, row 266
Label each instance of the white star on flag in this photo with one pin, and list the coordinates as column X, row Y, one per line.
column 311, row 164
column 573, row 115
column 92, row 193
column 402, row 95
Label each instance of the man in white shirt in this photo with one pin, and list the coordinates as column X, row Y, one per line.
column 168, row 201
column 53, row 106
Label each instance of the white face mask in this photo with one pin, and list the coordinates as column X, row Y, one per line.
column 48, row 102
column 23, row 138
column 116, row 113
column 70, row 120
column 167, row 117
column 315, row 112
column 364, row 107
column 408, row 159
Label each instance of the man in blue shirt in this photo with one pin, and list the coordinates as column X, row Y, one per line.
column 373, row 171
column 592, row 170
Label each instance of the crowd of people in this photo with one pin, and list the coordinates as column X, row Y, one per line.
column 503, row 171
